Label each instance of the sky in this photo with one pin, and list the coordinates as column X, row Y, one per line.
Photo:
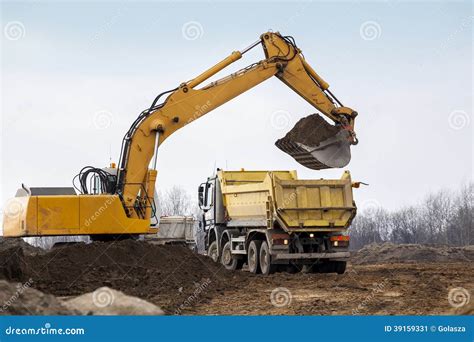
column 75, row 75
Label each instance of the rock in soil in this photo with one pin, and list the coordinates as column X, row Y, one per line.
column 107, row 301
column 21, row 299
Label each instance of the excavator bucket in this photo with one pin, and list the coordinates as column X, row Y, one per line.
column 316, row 144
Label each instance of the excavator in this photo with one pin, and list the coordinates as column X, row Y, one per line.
column 119, row 200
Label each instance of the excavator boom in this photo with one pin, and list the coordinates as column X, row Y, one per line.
column 188, row 103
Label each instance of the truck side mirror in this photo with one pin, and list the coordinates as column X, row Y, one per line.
column 201, row 195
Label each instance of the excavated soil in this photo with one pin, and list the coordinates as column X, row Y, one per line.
column 310, row 131
column 164, row 275
column 383, row 279
column 395, row 289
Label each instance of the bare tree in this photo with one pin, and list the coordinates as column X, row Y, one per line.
column 443, row 217
column 460, row 228
column 176, row 201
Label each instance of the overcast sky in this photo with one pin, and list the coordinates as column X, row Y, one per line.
column 76, row 75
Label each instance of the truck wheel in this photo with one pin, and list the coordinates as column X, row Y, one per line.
column 340, row 267
column 326, row 267
column 253, row 255
column 212, row 252
column 229, row 261
column 266, row 265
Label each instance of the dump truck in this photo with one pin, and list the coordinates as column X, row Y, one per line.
column 272, row 219
column 176, row 230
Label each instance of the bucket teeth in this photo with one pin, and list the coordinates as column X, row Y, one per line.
column 316, row 144
column 300, row 155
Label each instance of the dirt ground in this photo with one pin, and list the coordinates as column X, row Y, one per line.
column 411, row 279
column 395, row 289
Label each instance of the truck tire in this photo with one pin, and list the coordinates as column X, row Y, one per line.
column 253, row 256
column 212, row 251
column 266, row 265
column 340, row 267
column 229, row 261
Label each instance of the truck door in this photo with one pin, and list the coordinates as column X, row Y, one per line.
column 206, row 202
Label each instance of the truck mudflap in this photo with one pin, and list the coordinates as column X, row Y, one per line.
column 294, row 256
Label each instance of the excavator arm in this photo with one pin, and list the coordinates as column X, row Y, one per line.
column 187, row 103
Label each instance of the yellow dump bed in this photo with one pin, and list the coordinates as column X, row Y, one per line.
column 266, row 198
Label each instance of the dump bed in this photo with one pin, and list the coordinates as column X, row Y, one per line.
column 266, row 198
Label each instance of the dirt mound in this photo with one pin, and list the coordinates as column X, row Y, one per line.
column 11, row 259
column 21, row 299
column 9, row 243
column 168, row 276
column 392, row 253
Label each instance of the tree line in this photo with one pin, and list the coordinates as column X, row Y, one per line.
column 444, row 217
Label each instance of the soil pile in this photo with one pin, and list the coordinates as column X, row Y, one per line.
column 310, row 131
column 392, row 253
column 171, row 277
column 12, row 255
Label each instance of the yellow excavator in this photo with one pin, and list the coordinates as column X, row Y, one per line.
column 119, row 201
